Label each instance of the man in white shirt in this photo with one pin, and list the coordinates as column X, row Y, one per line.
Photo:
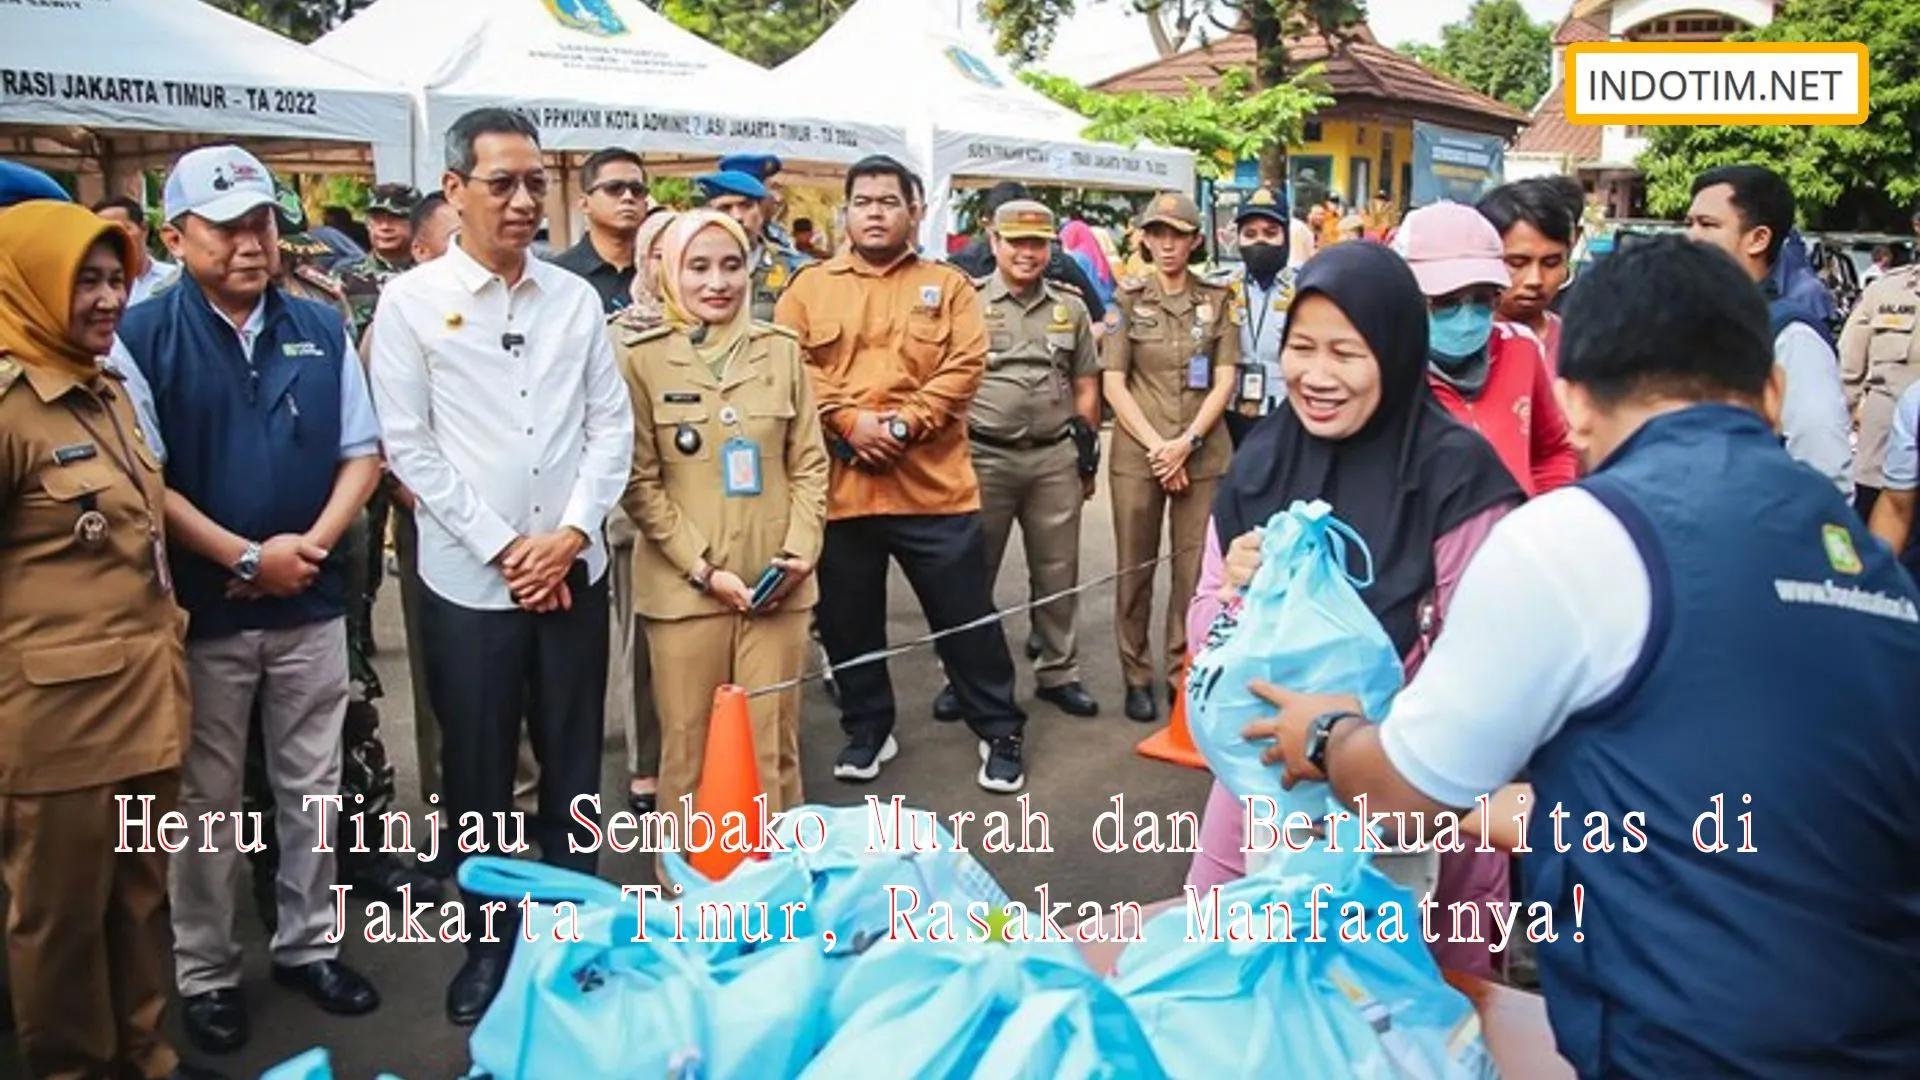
column 1701, row 623
column 151, row 273
column 1747, row 212
column 504, row 414
column 1892, row 520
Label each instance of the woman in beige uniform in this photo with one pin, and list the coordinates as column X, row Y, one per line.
column 1169, row 375
column 729, row 485
column 94, row 700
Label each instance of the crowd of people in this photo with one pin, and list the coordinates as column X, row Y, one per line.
column 681, row 450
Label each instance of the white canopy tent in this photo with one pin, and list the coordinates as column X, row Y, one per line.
column 128, row 84
column 911, row 62
column 591, row 73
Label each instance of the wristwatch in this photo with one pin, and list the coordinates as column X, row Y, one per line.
column 1196, row 440
column 701, row 579
column 1320, row 736
column 247, row 566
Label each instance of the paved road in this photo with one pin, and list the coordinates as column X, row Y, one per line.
column 1074, row 768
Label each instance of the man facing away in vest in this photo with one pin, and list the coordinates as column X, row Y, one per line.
column 1728, row 639
column 272, row 450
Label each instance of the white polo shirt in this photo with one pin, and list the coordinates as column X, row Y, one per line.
column 1901, row 471
column 503, row 411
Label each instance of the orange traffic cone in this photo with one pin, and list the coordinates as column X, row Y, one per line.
column 729, row 783
column 1174, row 742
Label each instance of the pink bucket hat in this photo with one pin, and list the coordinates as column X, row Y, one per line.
column 1451, row 246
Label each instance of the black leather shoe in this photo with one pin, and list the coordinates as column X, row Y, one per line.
column 1070, row 698
column 1140, row 707
column 946, row 705
column 216, row 1021
column 384, row 874
column 473, row 989
column 184, row 1071
column 332, row 985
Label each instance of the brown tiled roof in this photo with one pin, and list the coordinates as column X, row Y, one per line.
column 1591, row 28
column 1552, row 133
column 1357, row 68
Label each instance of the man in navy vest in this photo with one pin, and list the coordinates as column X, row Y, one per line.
column 272, row 450
column 1701, row 649
column 1747, row 212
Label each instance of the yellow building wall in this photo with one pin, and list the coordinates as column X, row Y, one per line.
column 1344, row 141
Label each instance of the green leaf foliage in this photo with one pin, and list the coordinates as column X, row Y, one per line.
column 1863, row 177
column 767, row 32
column 1496, row 50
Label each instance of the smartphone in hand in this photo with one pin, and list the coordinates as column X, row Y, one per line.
column 768, row 584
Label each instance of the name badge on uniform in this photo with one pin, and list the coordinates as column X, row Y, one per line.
column 1253, row 383
column 740, row 467
column 1893, row 321
column 1199, row 372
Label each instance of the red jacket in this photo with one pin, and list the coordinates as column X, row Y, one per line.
column 1517, row 412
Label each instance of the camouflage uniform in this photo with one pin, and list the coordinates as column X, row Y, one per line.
column 774, row 265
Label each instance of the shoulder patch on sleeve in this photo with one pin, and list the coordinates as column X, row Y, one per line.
column 632, row 335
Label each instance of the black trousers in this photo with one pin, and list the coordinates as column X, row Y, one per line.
column 945, row 559
column 485, row 671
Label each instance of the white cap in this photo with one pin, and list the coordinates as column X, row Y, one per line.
column 218, row 183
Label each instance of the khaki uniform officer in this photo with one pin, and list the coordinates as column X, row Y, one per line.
column 1036, row 414
column 1879, row 359
column 94, row 699
column 1169, row 376
column 729, row 477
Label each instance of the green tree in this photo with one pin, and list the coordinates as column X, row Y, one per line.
column 1856, row 177
column 1222, row 125
column 1272, row 92
column 302, row 20
column 767, row 32
column 1497, row 50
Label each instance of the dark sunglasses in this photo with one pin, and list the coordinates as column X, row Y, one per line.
column 503, row 185
column 617, row 188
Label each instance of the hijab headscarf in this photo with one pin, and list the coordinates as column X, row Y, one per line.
column 42, row 244
column 647, row 309
column 713, row 343
column 1077, row 237
column 1406, row 478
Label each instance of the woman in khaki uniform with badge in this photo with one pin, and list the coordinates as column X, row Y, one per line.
column 93, row 680
column 729, row 493
column 1169, row 374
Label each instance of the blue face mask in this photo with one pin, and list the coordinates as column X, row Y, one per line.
column 1460, row 332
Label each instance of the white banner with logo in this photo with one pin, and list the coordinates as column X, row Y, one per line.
column 185, row 66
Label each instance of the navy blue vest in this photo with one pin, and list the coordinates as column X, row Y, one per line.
column 254, row 442
column 1783, row 663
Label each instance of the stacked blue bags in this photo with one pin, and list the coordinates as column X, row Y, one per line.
column 1308, row 1010
column 611, row 1007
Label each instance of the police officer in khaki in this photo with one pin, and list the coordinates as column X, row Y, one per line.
column 1169, row 375
column 729, row 494
column 1879, row 359
column 94, row 698
column 1034, row 427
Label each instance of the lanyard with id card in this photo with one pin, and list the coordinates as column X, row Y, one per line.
column 740, row 467
column 1200, row 365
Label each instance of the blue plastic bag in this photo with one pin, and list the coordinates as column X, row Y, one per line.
column 954, row 1010
column 315, row 1064
column 1361, row 1010
column 608, row 1006
column 848, row 880
column 1304, row 627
